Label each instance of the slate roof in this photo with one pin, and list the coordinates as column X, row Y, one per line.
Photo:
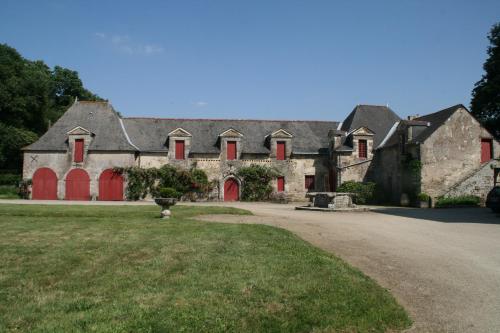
column 150, row 134
column 377, row 118
column 98, row 117
column 435, row 119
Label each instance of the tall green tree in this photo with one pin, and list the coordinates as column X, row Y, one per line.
column 32, row 95
column 485, row 104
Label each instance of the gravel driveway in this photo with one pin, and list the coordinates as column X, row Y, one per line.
column 443, row 265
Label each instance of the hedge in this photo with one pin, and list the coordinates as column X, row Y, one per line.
column 460, row 201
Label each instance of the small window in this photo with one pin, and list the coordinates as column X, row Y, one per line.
column 78, row 153
column 179, row 150
column 231, row 150
column 281, row 184
column 309, row 183
column 362, row 149
column 280, row 150
column 486, row 150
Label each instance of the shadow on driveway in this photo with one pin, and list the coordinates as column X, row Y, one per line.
column 447, row 215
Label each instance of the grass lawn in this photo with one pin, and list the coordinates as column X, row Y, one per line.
column 123, row 269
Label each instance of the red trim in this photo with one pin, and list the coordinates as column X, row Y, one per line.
column 281, row 184
column 280, row 150
column 179, row 150
column 78, row 154
column 231, row 150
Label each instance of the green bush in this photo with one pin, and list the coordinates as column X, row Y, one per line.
column 9, row 192
column 463, row 200
column 365, row 192
column 168, row 192
column 423, row 197
column 257, row 182
column 9, row 179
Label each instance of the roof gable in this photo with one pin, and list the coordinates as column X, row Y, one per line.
column 231, row 133
column 78, row 130
column 179, row 132
column 281, row 133
column 435, row 120
column 362, row 131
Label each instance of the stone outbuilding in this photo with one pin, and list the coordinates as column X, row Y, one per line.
column 75, row 159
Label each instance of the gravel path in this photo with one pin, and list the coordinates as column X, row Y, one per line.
column 443, row 266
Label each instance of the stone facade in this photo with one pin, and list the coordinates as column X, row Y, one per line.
column 372, row 144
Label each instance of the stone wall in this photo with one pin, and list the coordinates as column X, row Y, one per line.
column 62, row 163
column 452, row 153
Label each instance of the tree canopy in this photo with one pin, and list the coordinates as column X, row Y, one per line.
column 32, row 95
column 485, row 104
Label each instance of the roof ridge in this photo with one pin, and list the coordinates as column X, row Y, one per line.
column 451, row 108
column 229, row 119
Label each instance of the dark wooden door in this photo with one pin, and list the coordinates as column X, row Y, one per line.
column 77, row 185
column 44, row 185
column 231, row 190
column 110, row 186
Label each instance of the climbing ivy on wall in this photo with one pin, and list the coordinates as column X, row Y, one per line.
column 141, row 182
column 257, row 182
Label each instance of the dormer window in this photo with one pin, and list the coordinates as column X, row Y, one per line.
column 78, row 151
column 231, row 150
column 281, row 150
column 362, row 149
column 180, row 150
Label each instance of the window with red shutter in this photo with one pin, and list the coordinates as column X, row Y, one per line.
column 78, row 153
column 179, row 150
column 362, row 149
column 309, row 183
column 281, row 184
column 231, row 150
column 280, row 150
column 486, row 150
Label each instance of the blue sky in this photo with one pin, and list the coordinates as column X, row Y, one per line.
column 260, row 59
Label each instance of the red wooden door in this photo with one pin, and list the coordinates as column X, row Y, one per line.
column 231, row 190
column 179, row 150
column 281, row 184
column 280, row 150
column 44, row 185
column 110, row 186
column 77, row 185
column 486, row 150
column 231, row 150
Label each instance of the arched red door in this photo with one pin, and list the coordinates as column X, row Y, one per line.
column 77, row 185
column 44, row 185
column 110, row 186
column 231, row 190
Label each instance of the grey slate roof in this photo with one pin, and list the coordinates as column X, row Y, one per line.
column 150, row 134
column 377, row 118
column 435, row 119
column 97, row 117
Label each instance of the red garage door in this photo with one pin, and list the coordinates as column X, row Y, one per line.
column 44, row 185
column 110, row 186
column 231, row 190
column 77, row 185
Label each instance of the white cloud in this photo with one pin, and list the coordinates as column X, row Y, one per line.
column 200, row 104
column 125, row 44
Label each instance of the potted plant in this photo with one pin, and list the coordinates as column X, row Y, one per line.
column 167, row 197
column 423, row 200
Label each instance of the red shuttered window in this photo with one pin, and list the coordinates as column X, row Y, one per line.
column 309, row 183
column 280, row 150
column 78, row 153
column 179, row 150
column 486, row 150
column 231, row 150
column 362, row 149
column 281, row 184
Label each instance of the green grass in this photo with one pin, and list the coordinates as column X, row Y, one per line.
column 123, row 269
column 8, row 192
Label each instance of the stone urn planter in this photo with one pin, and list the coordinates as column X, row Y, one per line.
column 165, row 204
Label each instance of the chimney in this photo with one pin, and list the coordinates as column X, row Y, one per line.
column 412, row 117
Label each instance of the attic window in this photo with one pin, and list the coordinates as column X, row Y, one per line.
column 280, row 150
column 231, row 150
column 179, row 150
column 362, row 149
column 78, row 152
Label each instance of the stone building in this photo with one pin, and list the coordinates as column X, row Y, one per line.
column 76, row 157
